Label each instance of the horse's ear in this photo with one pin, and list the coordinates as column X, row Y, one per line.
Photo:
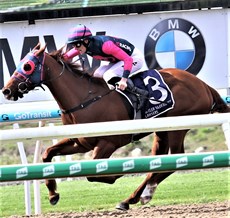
column 37, row 47
column 40, row 49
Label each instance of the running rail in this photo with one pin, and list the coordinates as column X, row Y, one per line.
column 160, row 163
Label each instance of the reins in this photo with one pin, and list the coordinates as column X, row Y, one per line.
column 28, row 84
column 81, row 105
column 60, row 74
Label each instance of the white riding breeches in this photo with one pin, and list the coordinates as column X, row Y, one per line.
column 116, row 69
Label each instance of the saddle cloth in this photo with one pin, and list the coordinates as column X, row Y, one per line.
column 160, row 96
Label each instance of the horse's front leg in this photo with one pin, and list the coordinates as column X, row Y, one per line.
column 63, row 147
column 103, row 149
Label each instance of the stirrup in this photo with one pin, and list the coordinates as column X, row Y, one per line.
column 141, row 94
column 142, row 99
column 130, row 85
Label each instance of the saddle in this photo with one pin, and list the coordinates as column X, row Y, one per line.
column 160, row 98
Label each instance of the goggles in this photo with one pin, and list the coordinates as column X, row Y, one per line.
column 78, row 44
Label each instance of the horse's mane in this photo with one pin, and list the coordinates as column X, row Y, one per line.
column 74, row 67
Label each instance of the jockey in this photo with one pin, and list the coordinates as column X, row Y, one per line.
column 124, row 59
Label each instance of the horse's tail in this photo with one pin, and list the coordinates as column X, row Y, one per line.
column 219, row 105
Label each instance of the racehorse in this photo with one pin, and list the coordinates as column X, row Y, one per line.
column 83, row 99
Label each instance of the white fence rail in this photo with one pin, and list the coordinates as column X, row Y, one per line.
column 117, row 127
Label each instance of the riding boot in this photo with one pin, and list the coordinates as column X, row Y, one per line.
column 141, row 94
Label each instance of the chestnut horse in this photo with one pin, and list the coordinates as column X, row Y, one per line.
column 85, row 99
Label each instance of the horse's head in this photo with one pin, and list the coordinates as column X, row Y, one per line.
column 27, row 75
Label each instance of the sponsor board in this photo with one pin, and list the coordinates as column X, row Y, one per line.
column 181, row 39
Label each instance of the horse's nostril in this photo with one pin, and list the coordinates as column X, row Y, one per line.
column 6, row 91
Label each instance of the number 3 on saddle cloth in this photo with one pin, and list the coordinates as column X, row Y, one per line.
column 160, row 97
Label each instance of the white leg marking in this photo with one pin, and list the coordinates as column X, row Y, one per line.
column 148, row 193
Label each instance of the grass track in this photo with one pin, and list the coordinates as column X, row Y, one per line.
column 80, row 195
column 46, row 4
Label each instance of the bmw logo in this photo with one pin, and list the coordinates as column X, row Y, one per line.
column 175, row 43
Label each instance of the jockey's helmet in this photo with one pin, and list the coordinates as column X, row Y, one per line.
column 78, row 33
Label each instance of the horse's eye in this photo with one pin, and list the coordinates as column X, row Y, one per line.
column 27, row 67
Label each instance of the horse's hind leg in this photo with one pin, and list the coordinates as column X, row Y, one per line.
column 64, row 147
column 135, row 196
column 176, row 145
column 161, row 144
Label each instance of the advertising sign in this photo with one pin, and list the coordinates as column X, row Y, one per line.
column 196, row 41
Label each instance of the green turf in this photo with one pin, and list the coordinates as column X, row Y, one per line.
column 80, row 195
column 46, row 4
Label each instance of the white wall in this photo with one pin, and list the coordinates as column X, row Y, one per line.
column 213, row 26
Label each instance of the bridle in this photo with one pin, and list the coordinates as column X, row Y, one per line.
column 30, row 72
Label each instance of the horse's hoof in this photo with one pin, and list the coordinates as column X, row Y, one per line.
column 54, row 199
column 122, row 206
column 145, row 200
